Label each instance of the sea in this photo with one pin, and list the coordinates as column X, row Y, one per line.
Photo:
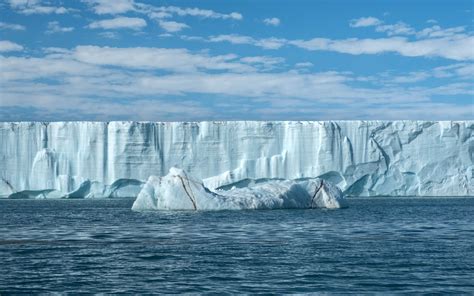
column 374, row 246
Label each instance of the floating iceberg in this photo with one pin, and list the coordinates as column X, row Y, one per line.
column 179, row 191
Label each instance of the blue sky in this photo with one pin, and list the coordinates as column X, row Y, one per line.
column 236, row 60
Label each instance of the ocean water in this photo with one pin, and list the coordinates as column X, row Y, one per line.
column 381, row 245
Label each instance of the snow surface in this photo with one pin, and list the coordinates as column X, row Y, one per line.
column 179, row 191
column 114, row 159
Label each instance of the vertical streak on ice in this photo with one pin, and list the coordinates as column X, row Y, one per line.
column 411, row 157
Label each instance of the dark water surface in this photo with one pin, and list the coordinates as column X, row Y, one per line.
column 375, row 245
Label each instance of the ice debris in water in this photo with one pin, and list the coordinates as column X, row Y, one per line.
column 180, row 191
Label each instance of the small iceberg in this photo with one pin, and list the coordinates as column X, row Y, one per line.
column 179, row 191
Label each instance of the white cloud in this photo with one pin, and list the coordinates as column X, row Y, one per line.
column 170, row 26
column 155, row 12
column 111, row 6
column 139, row 83
column 452, row 46
column 271, row 43
column 233, row 38
column 21, row 3
column 304, row 65
column 168, row 11
column 399, row 28
column 236, row 16
column 176, row 60
column 49, row 105
column 456, row 48
column 272, row 21
column 36, row 7
column 263, row 60
column 58, row 65
column 54, row 27
column 161, row 14
column 109, row 35
column 119, row 23
column 436, row 31
column 465, row 71
column 6, row 26
column 460, row 71
column 452, row 43
column 365, row 22
column 255, row 85
column 412, row 77
column 264, row 63
column 7, row 46
column 267, row 43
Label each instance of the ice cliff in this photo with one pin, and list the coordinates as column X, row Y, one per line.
column 113, row 159
column 179, row 191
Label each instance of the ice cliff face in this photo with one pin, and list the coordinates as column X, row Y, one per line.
column 112, row 159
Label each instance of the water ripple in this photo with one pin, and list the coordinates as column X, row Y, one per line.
column 373, row 246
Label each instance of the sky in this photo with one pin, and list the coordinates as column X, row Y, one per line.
column 103, row 60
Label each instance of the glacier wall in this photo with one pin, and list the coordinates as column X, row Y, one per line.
column 364, row 158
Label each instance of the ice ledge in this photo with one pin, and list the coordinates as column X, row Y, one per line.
column 122, row 188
